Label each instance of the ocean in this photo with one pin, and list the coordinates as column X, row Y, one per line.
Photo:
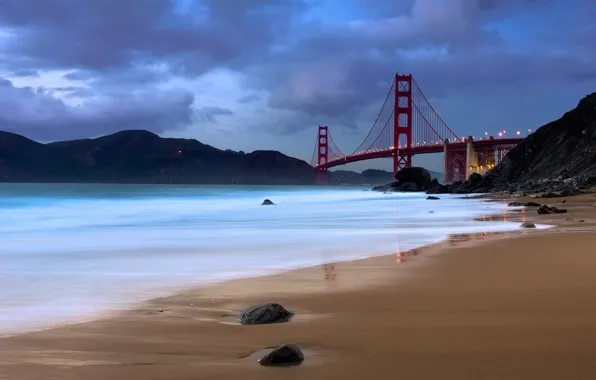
column 69, row 251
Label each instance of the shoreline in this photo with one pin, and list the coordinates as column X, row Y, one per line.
column 322, row 306
column 175, row 290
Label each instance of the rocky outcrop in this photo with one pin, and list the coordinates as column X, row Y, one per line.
column 431, row 198
column 411, row 179
column 419, row 176
column 267, row 202
column 528, row 225
column 545, row 209
column 559, row 156
column 437, row 188
column 265, row 314
column 521, row 204
column 286, row 355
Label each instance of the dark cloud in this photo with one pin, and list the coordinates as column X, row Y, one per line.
column 209, row 113
column 39, row 114
column 311, row 71
column 339, row 71
column 111, row 34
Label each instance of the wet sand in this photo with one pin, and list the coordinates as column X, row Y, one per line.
column 507, row 306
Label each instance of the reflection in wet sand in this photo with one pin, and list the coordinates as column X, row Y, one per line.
column 460, row 238
column 329, row 270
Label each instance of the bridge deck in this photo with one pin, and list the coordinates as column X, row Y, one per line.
column 425, row 149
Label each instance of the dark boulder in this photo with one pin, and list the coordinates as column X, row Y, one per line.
column 420, row 176
column 545, row 209
column 286, row 355
column 414, row 179
column 528, row 225
column 409, row 186
column 474, row 179
column 267, row 202
column 431, row 198
column 527, row 204
column 265, row 314
column 398, row 187
column 437, row 188
column 455, row 186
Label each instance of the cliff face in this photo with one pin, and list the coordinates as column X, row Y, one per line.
column 143, row 157
column 559, row 155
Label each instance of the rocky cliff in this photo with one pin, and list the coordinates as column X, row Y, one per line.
column 560, row 155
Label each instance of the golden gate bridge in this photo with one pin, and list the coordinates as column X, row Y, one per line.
column 408, row 125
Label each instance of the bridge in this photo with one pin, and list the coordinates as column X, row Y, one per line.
column 408, row 125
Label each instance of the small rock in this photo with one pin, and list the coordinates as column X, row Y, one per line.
column 515, row 204
column 431, row 212
column 267, row 202
column 430, row 197
column 544, row 209
column 528, row 225
column 265, row 314
column 563, row 201
column 288, row 354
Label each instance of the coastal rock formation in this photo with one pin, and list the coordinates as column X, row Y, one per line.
column 437, row 188
column 527, row 204
column 265, row 314
column 545, row 209
column 288, row 354
column 559, row 156
column 431, row 198
column 267, row 202
column 408, row 180
column 528, row 225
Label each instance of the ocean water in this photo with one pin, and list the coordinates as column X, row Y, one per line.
column 70, row 251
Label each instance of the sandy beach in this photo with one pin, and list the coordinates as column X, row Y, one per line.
column 507, row 306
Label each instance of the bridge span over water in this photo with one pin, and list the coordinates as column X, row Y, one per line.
column 408, row 125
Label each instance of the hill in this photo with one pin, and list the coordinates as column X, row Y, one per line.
column 138, row 156
column 560, row 155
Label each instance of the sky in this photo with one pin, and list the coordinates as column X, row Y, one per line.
column 263, row 74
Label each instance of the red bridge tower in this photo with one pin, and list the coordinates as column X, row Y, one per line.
column 402, row 121
column 322, row 155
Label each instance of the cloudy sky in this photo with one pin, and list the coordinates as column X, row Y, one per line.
column 263, row 74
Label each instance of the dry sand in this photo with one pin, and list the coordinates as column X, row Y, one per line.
column 513, row 306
